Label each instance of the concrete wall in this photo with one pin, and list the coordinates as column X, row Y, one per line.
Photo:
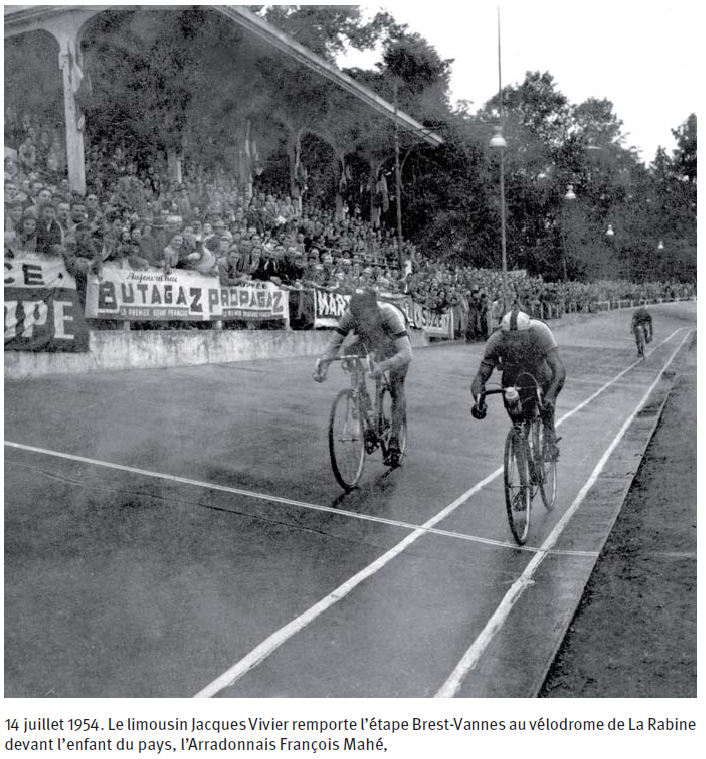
column 150, row 349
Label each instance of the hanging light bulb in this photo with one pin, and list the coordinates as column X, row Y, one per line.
column 609, row 231
column 570, row 195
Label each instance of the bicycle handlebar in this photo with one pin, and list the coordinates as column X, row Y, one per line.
column 366, row 360
column 480, row 409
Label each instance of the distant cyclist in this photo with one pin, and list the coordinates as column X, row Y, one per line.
column 380, row 330
column 523, row 344
column 641, row 327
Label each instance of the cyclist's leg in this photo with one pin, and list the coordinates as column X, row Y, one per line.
column 548, row 420
column 399, row 402
column 639, row 337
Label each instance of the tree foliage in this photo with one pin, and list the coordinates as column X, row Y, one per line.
column 184, row 79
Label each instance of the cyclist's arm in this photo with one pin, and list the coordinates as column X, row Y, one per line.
column 488, row 363
column 482, row 376
column 339, row 335
column 558, row 375
column 401, row 357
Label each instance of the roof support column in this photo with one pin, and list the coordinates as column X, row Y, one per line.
column 70, row 60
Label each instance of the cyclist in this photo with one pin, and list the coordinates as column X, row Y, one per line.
column 380, row 330
column 641, row 320
column 523, row 344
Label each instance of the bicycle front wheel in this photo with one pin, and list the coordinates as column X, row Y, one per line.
column 544, row 465
column 518, row 484
column 346, row 439
column 386, row 425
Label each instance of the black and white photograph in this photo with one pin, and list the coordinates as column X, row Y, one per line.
column 350, row 353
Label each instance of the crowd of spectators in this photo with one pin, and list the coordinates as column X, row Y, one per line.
column 134, row 216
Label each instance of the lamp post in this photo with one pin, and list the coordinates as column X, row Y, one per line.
column 398, row 188
column 569, row 197
column 498, row 141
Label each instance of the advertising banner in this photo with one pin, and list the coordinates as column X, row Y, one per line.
column 152, row 295
column 433, row 323
column 330, row 306
column 43, row 311
column 180, row 296
column 254, row 301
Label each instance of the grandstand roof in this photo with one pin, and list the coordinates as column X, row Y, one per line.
column 21, row 18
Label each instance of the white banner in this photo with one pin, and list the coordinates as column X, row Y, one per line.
column 433, row 323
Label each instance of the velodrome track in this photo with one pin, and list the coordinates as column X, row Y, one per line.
column 179, row 532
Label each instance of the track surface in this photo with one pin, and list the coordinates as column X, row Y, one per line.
column 200, row 560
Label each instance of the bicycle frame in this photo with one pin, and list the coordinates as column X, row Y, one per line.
column 358, row 366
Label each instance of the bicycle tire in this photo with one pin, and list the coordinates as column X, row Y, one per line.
column 545, row 466
column 518, row 487
column 346, row 426
column 386, row 424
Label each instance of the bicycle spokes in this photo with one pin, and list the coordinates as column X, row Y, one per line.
column 346, row 438
column 518, row 485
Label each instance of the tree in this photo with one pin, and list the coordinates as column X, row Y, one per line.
column 685, row 154
column 328, row 30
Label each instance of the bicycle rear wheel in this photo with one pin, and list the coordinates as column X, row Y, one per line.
column 386, row 425
column 346, row 439
column 544, row 464
column 518, row 484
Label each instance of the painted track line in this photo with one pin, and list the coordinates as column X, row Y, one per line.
column 281, row 636
column 275, row 640
column 474, row 653
column 284, row 501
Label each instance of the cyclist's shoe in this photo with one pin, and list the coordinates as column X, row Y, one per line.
column 392, row 459
column 371, row 440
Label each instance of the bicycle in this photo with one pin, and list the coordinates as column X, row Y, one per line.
column 528, row 464
column 357, row 426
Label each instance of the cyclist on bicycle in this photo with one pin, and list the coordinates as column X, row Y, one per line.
column 523, row 344
column 380, row 330
column 643, row 319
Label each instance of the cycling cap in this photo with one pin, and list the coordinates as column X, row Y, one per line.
column 515, row 321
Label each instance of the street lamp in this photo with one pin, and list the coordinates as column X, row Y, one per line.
column 498, row 141
column 570, row 196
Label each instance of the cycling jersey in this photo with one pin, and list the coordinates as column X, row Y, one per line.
column 525, row 353
column 389, row 339
column 641, row 316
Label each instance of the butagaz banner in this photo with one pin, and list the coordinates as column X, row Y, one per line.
column 180, row 296
column 254, row 301
column 330, row 306
column 43, row 311
column 152, row 295
column 432, row 322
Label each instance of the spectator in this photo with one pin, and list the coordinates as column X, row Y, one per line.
column 50, row 239
column 26, row 239
column 27, row 155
